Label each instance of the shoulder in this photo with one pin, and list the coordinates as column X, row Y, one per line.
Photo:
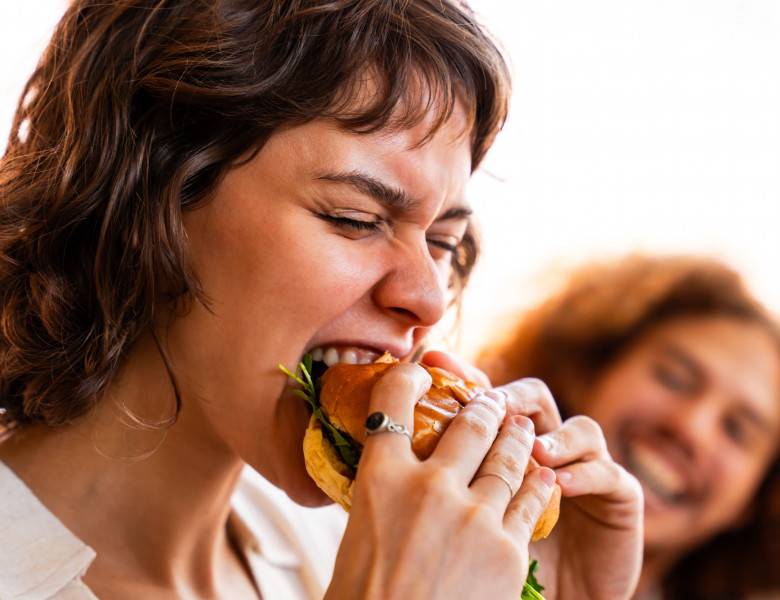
column 39, row 557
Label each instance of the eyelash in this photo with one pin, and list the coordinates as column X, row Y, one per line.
column 354, row 224
column 672, row 379
column 373, row 226
column 444, row 246
column 736, row 431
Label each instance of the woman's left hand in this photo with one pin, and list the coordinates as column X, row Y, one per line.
column 597, row 543
column 595, row 550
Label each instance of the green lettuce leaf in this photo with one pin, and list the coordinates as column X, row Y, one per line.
column 309, row 392
column 532, row 587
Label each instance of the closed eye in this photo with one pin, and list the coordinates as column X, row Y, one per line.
column 736, row 430
column 446, row 246
column 353, row 224
column 674, row 378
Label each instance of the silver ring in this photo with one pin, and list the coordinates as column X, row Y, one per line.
column 380, row 423
column 502, row 478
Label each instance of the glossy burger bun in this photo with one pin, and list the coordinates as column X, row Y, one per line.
column 345, row 393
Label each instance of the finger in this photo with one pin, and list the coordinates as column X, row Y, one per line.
column 532, row 398
column 470, row 435
column 599, row 477
column 580, row 438
column 458, row 366
column 529, row 503
column 501, row 473
column 395, row 395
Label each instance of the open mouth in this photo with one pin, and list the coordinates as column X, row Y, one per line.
column 351, row 355
column 327, row 356
column 657, row 475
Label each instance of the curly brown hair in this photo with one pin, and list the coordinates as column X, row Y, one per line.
column 601, row 310
column 135, row 111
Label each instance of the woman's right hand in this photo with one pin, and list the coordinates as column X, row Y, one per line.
column 440, row 528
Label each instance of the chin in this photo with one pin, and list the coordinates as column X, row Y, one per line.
column 302, row 490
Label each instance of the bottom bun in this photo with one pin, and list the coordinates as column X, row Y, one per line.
column 324, row 465
column 550, row 515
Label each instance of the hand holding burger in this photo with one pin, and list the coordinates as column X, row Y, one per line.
column 344, row 395
column 337, row 430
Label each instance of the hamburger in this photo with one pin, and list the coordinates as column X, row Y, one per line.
column 339, row 399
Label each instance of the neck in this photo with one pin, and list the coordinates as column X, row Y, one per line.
column 150, row 502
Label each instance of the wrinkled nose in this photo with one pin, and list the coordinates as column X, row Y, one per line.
column 414, row 289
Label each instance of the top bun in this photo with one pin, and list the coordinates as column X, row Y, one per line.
column 345, row 394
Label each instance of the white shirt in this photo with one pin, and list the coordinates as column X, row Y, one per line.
column 290, row 549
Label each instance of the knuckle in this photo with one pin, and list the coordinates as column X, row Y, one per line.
column 480, row 419
column 537, row 389
column 614, row 471
column 440, row 480
column 520, row 435
column 541, row 497
column 506, row 462
column 586, row 424
column 532, row 393
column 406, row 375
column 525, row 514
column 479, row 514
column 537, row 386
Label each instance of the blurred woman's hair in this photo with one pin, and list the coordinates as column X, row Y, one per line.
column 601, row 310
column 135, row 111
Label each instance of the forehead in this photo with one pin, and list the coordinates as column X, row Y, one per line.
column 422, row 167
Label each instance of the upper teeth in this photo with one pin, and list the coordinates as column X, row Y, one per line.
column 351, row 356
column 655, row 472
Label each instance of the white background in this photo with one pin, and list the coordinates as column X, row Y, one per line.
column 634, row 125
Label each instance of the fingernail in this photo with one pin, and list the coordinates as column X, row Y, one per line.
column 499, row 398
column 564, row 477
column 492, row 399
column 524, row 422
column 545, row 442
column 548, row 476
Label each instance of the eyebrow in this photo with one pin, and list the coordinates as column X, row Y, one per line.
column 371, row 186
column 388, row 195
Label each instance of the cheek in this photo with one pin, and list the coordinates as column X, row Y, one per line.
column 741, row 474
column 340, row 275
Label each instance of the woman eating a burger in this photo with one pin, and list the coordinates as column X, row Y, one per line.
column 197, row 192
column 680, row 365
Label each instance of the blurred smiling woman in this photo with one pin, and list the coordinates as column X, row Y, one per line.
column 680, row 366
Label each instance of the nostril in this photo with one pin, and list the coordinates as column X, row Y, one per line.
column 403, row 312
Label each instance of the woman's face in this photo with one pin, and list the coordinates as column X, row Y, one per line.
column 693, row 411
column 324, row 239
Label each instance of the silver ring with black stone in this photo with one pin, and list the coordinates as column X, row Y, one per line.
column 381, row 423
